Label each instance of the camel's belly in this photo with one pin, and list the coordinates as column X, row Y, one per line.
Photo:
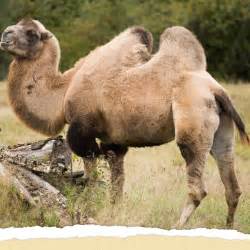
column 140, row 127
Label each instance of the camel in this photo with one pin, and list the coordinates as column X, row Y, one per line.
column 37, row 88
column 129, row 98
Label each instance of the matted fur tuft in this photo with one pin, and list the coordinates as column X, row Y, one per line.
column 144, row 35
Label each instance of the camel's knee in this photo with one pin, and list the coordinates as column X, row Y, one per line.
column 197, row 193
column 81, row 141
column 232, row 197
column 195, row 165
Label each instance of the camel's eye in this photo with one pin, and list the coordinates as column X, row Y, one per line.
column 32, row 35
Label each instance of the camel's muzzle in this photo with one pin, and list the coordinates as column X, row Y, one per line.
column 7, row 39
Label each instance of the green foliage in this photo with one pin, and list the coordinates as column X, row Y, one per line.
column 80, row 25
column 223, row 28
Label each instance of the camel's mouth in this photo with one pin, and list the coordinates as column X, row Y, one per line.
column 5, row 45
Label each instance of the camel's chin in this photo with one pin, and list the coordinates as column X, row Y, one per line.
column 12, row 50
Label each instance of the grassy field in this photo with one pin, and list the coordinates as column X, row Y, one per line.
column 155, row 185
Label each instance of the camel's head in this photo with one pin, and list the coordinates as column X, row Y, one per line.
column 26, row 39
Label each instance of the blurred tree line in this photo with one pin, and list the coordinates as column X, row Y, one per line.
column 222, row 26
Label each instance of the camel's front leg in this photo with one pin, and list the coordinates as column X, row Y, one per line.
column 81, row 139
column 115, row 156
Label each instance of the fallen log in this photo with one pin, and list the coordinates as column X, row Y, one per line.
column 23, row 165
column 12, row 180
column 50, row 155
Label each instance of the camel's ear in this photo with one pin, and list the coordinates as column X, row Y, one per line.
column 46, row 35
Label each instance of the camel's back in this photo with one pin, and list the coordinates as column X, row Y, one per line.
column 128, row 48
column 105, row 63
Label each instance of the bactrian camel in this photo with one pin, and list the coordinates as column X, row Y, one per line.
column 127, row 98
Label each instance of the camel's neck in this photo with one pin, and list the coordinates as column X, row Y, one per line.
column 36, row 92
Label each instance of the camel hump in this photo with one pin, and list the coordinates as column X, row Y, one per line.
column 183, row 43
column 144, row 35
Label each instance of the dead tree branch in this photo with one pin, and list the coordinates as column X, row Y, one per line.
column 21, row 164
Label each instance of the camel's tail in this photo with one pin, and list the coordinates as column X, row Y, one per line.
column 226, row 105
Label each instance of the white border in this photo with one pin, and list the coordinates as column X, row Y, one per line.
column 113, row 231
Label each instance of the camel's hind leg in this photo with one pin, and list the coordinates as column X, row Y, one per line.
column 223, row 153
column 194, row 133
column 195, row 158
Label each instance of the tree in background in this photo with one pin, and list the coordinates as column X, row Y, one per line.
column 80, row 25
column 4, row 21
column 223, row 27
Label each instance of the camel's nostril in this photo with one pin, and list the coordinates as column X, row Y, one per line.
column 8, row 32
column 6, row 39
column 7, row 36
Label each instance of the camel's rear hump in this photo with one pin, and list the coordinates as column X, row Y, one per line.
column 180, row 43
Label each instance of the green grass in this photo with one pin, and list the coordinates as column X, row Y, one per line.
column 155, row 186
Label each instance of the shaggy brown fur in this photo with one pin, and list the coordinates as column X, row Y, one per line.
column 125, row 103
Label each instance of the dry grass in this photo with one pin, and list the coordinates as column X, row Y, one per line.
column 155, row 184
